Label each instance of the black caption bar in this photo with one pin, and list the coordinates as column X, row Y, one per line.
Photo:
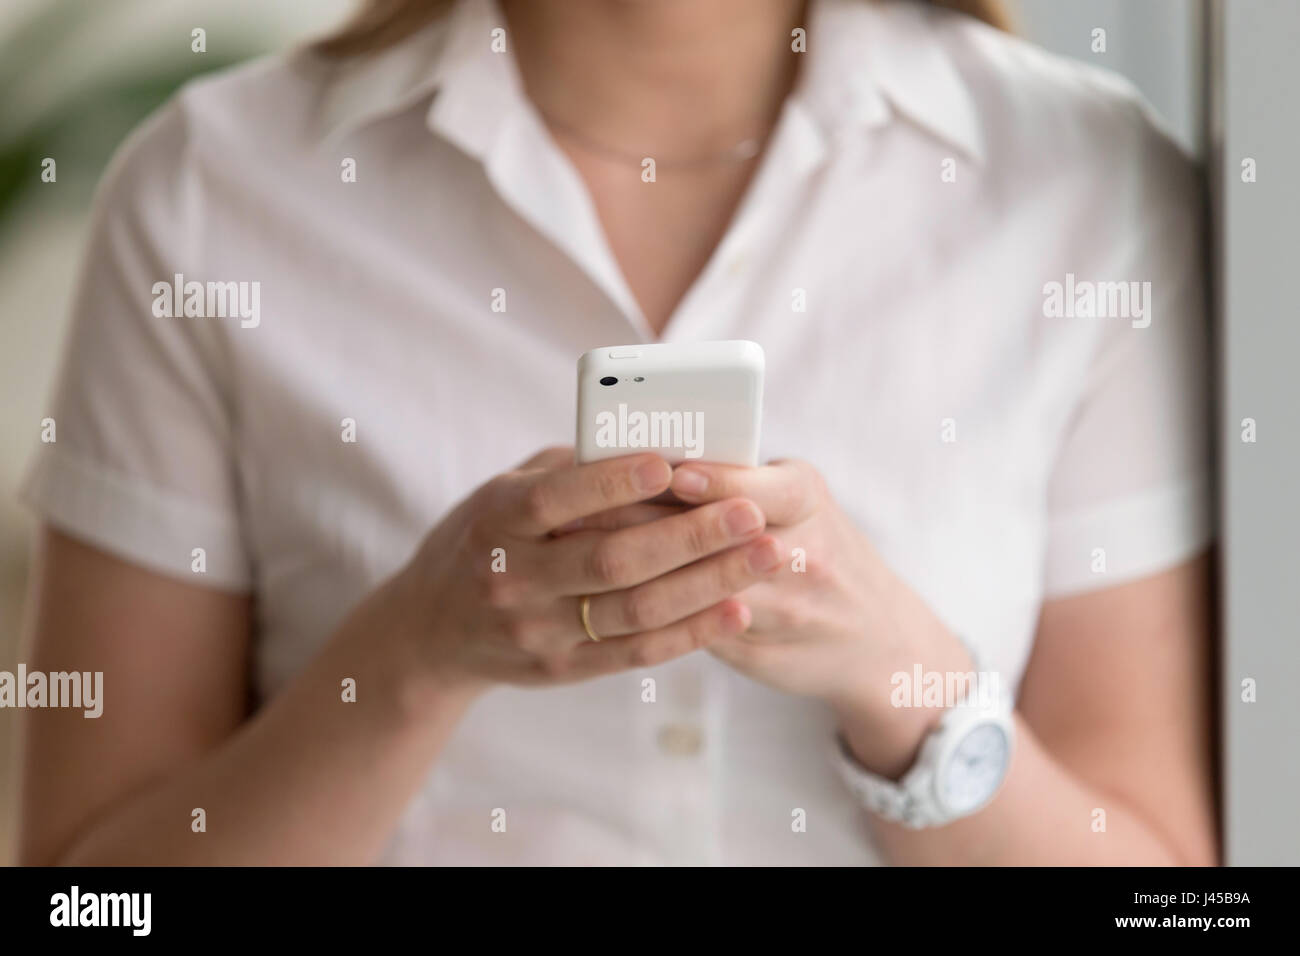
column 146, row 906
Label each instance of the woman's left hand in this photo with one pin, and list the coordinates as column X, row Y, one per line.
column 836, row 623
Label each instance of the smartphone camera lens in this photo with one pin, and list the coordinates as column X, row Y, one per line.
column 609, row 380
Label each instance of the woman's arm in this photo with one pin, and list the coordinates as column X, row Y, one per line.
column 309, row 779
column 1114, row 714
column 1114, row 710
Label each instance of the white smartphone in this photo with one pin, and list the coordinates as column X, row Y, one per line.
column 688, row 401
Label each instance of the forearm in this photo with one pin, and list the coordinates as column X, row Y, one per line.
column 310, row 779
column 1044, row 815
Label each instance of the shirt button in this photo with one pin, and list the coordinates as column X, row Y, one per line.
column 681, row 740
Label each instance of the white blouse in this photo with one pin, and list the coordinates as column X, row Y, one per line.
column 974, row 267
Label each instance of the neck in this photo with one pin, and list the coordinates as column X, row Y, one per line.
column 678, row 76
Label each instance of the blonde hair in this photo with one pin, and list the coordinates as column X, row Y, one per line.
column 381, row 23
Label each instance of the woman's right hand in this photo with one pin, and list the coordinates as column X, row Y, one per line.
column 493, row 593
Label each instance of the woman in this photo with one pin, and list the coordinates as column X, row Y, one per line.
column 337, row 591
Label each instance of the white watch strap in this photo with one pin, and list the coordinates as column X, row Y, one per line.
column 911, row 800
column 904, row 802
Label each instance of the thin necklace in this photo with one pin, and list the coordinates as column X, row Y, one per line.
column 741, row 152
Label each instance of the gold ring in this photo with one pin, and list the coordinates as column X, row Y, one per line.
column 584, row 607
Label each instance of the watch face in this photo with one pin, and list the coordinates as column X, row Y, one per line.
column 975, row 769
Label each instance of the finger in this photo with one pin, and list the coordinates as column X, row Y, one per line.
column 786, row 491
column 548, row 458
column 768, row 601
column 768, row 623
column 724, row 620
column 738, row 653
column 596, row 562
column 672, row 597
column 540, row 501
column 628, row 516
column 775, row 606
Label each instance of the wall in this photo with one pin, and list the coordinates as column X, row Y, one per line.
column 1256, row 78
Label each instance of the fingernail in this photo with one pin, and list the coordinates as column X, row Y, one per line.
column 650, row 476
column 764, row 558
column 738, row 620
column 743, row 519
column 690, row 481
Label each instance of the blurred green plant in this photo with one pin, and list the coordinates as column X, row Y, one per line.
column 84, row 126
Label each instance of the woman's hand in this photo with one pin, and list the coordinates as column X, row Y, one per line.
column 835, row 623
column 493, row 593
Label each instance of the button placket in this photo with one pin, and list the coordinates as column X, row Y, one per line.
column 677, row 744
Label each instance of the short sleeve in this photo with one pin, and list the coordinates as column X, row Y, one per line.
column 1131, row 490
column 142, row 461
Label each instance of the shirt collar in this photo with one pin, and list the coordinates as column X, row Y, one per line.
column 871, row 60
column 452, row 57
column 868, row 60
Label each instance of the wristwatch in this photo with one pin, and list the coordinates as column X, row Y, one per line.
column 960, row 767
